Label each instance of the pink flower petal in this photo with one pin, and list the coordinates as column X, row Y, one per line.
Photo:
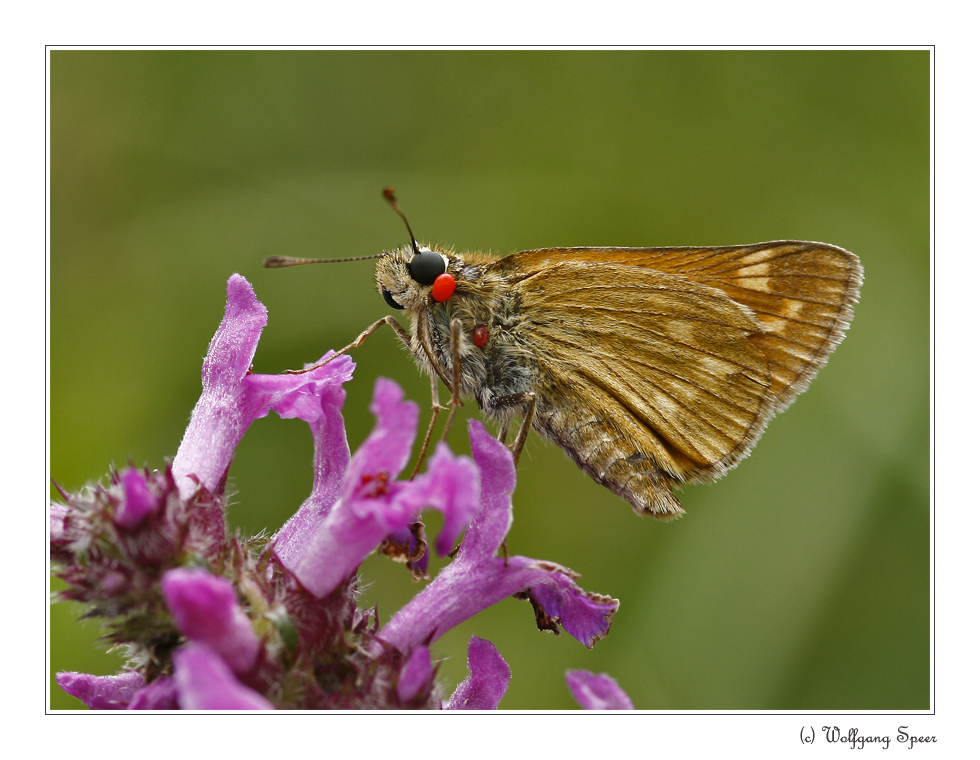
column 489, row 675
column 415, row 674
column 222, row 414
column 597, row 691
column 102, row 692
column 207, row 611
column 139, row 502
column 205, row 682
column 322, row 553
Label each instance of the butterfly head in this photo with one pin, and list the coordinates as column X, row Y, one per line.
column 415, row 276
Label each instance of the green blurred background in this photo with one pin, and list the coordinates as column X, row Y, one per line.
column 800, row 581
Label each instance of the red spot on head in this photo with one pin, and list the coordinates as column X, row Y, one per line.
column 443, row 287
column 480, row 336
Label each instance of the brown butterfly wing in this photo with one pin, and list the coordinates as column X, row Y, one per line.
column 663, row 366
column 646, row 379
column 801, row 293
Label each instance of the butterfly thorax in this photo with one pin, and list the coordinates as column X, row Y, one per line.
column 496, row 363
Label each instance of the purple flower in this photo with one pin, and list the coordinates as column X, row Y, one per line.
column 415, row 675
column 158, row 695
column 206, row 611
column 373, row 505
column 597, row 691
column 485, row 686
column 478, row 578
column 205, row 682
column 224, row 412
column 139, row 503
column 102, row 692
column 56, row 524
column 232, row 398
column 215, row 621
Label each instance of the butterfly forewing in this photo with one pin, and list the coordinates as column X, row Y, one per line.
column 687, row 352
column 801, row 294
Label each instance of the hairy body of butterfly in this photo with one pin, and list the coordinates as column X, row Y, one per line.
column 650, row 367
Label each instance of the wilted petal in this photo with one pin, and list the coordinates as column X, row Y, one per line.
column 415, row 674
column 555, row 596
column 139, row 501
column 463, row 589
column 205, row 682
column 102, row 692
column 489, row 675
column 409, row 545
column 206, row 610
column 597, row 691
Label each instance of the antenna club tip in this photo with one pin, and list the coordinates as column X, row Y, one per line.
column 389, row 194
column 275, row 261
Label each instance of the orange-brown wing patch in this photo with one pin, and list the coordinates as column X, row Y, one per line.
column 662, row 356
column 800, row 293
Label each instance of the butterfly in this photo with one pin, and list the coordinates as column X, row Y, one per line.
column 650, row 367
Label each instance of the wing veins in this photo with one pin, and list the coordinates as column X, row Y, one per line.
column 659, row 370
column 686, row 318
column 788, row 318
column 667, row 393
column 769, row 260
column 745, row 367
column 777, row 295
column 724, row 253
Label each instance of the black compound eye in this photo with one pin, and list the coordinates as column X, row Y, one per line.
column 386, row 294
column 425, row 266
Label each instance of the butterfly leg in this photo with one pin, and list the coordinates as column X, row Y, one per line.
column 455, row 336
column 436, row 408
column 518, row 444
column 510, row 403
column 388, row 320
column 502, row 432
column 407, row 341
column 455, row 339
column 528, row 401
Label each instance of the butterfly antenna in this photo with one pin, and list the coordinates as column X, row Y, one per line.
column 389, row 194
column 274, row 262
